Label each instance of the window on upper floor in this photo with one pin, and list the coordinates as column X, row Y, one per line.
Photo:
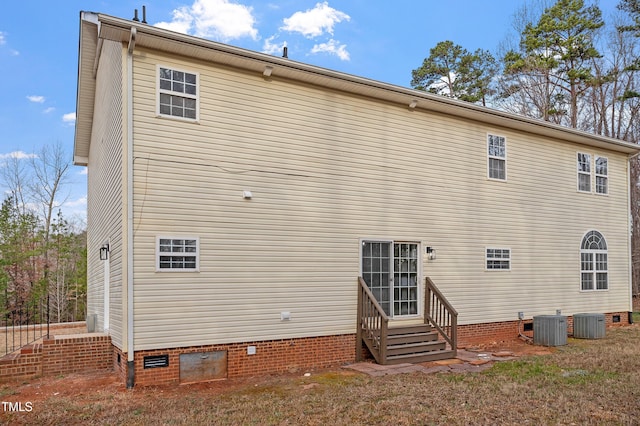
column 496, row 157
column 177, row 93
column 498, row 259
column 584, row 172
column 177, row 254
column 602, row 176
column 587, row 170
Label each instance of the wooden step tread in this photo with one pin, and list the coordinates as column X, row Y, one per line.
column 421, row 357
column 413, row 348
column 412, row 338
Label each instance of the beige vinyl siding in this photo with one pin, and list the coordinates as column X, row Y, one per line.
column 105, row 217
column 327, row 169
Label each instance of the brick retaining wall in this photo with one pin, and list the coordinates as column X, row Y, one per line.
column 59, row 355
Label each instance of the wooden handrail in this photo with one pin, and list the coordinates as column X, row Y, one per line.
column 372, row 325
column 439, row 313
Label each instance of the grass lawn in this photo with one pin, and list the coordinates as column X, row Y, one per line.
column 585, row 382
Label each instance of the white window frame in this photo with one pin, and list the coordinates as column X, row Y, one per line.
column 491, row 156
column 493, row 258
column 183, row 95
column 580, row 172
column 601, row 176
column 160, row 254
column 596, row 257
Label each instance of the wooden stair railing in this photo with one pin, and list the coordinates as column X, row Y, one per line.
column 373, row 324
column 440, row 314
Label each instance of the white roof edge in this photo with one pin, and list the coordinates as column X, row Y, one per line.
column 92, row 17
column 424, row 100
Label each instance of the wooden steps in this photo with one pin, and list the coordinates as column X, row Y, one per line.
column 413, row 344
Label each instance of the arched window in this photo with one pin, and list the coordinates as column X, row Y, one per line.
column 593, row 262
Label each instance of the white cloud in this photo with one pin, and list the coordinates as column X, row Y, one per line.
column 315, row 22
column 270, row 47
column 80, row 202
column 69, row 118
column 49, row 110
column 36, row 98
column 3, row 40
column 84, row 171
column 214, row 19
column 332, row 47
column 17, row 154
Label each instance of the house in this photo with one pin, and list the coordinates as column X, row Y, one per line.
column 235, row 198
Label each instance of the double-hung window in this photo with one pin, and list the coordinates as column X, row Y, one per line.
column 602, row 176
column 177, row 254
column 584, row 172
column 497, row 157
column 498, row 259
column 177, row 93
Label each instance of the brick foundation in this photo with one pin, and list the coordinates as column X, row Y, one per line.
column 495, row 332
column 62, row 355
column 95, row 352
column 271, row 357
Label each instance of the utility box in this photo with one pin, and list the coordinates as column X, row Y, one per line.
column 589, row 326
column 92, row 321
column 550, row 330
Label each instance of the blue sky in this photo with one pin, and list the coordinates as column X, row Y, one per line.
column 378, row 39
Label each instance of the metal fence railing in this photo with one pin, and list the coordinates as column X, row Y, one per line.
column 23, row 323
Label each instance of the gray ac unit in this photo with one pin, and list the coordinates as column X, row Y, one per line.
column 589, row 326
column 550, row 330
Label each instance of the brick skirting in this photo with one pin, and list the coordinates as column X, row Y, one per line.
column 271, row 357
column 495, row 332
column 59, row 355
column 94, row 352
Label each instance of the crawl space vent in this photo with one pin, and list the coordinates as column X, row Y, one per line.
column 156, row 361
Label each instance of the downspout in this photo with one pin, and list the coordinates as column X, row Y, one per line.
column 130, row 349
column 630, row 230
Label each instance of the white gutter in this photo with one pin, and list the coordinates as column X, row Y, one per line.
column 130, row 340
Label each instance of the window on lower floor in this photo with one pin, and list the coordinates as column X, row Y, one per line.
column 498, row 259
column 594, row 262
column 177, row 254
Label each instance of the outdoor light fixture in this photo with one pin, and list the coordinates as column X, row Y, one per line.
column 104, row 252
column 247, row 195
column 431, row 253
column 267, row 71
column 413, row 104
